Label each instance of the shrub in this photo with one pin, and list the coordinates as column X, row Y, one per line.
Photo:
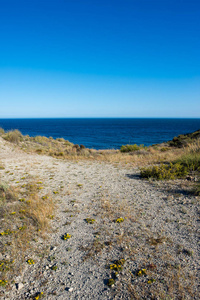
column 13, row 136
column 130, row 148
column 67, row 143
column 43, row 140
column 184, row 139
column 171, row 171
column 164, row 149
column 60, row 140
column 190, row 160
column 2, row 131
column 196, row 189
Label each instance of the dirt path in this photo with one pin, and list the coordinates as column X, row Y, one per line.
column 158, row 232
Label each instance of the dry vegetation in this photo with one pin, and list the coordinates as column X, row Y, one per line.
column 24, row 216
column 133, row 154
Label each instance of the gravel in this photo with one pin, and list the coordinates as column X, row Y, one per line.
column 159, row 232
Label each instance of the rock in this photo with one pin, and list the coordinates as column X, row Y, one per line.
column 70, row 289
column 19, row 286
column 53, row 248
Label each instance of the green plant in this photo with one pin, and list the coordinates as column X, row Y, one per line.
column 66, row 236
column 196, row 189
column 119, row 220
column 117, row 265
column 130, row 148
column 111, row 282
column 30, row 262
column 141, row 272
column 164, row 149
column 190, row 160
column 89, row 221
column 3, row 282
column 169, row 171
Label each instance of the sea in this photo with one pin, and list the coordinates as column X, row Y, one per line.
column 105, row 133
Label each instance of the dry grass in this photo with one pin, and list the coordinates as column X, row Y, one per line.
column 23, row 220
column 63, row 149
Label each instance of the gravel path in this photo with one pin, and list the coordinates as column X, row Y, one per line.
column 159, row 232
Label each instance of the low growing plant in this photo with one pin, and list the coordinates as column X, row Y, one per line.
column 130, row 148
column 170, row 171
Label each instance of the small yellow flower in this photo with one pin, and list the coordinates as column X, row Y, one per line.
column 89, row 221
column 66, row 236
column 22, row 199
column 30, row 262
column 119, row 220
column 51, row 217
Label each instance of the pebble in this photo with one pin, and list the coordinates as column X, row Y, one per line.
column 19, row 286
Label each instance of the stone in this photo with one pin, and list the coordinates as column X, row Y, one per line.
column 19, row 286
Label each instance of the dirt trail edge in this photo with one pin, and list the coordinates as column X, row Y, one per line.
column 138, row 237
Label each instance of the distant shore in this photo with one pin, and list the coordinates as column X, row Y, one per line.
column 104, row 133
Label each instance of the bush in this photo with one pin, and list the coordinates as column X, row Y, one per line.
column 191, row 161
column 196, row 189
column 164, row 149
column 130, row 148
column 60, row 140
column 43, row 140
column 171, row 171
column 2, row 131
column 13, row 136
column 184, row 139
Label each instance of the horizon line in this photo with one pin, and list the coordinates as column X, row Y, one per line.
column 38, row 118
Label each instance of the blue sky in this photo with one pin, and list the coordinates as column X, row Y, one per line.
column 91, row 58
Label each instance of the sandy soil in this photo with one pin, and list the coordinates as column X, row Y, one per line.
column 159, row 232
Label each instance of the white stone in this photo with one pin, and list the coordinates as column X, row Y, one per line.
column 20, row 286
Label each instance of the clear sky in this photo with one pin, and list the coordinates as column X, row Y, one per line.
column 99, row 58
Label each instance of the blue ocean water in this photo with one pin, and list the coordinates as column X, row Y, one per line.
column 105, row 133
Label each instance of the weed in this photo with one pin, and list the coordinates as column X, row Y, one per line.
column 30, row 262
column 119, row 220
column 3, row 282
column 130, row 148
column 141, row 272
column 38, row 296
column 66, row 236
column 117, row 265
column 89, row 221
column 51, row 217
column 111, row 282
